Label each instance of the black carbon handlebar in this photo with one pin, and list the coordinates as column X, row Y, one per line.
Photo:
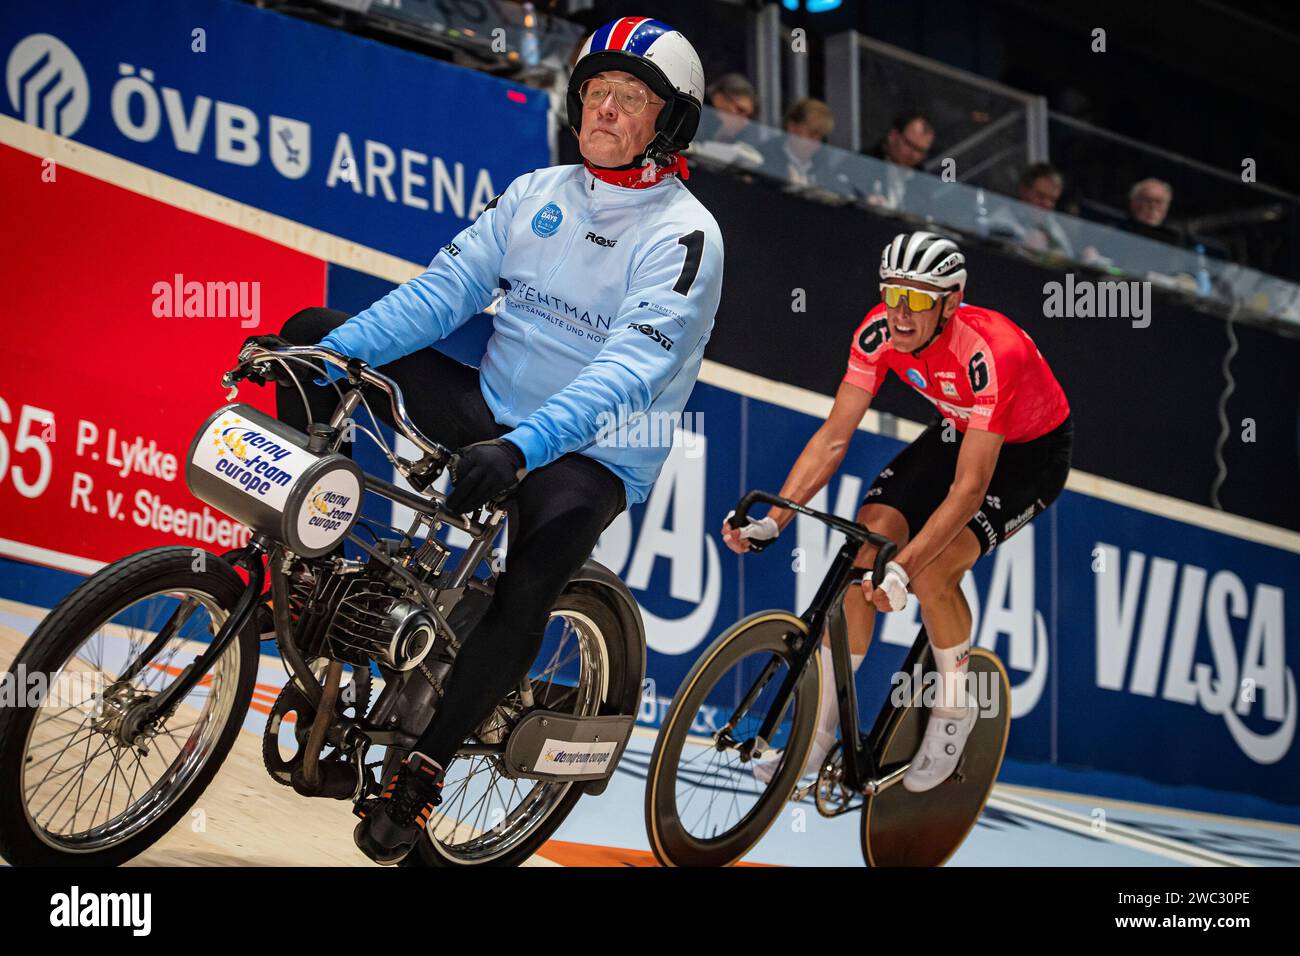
column 886, row 548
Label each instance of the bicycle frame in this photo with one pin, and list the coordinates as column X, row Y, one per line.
column 861, row 772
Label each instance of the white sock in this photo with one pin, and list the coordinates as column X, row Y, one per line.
column 951, row 664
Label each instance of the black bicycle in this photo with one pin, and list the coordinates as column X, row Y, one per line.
column 753, row 691
column 150, row 663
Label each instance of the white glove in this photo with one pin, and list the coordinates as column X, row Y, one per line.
column 761, row 529
column 894, row 585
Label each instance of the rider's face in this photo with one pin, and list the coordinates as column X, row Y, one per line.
column 610, row 136
column 908, row 329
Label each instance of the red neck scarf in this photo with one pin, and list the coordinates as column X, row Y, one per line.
column 640, row 177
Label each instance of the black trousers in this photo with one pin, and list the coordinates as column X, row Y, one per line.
column 562, row 508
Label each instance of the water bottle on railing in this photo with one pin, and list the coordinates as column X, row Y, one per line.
column 981, row 214
column 529, row 49
column 1204, row 287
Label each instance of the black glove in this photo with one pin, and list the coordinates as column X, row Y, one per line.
column 266, row 342
column 277, row 369
column 483, row 471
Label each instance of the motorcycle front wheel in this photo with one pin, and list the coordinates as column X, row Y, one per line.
column 80, row 785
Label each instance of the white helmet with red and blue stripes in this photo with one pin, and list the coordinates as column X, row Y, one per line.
column 659, row 57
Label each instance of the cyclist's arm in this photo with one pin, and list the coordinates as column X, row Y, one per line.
column 822, row 455
column 633, row 368
column 457, row 285
column 975, row 463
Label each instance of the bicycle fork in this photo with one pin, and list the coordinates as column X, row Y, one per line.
column 804, row 646
column 157, row 709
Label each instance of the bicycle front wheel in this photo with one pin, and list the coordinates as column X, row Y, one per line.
column 704, row 804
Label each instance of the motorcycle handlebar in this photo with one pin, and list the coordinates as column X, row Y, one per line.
column 358, row 373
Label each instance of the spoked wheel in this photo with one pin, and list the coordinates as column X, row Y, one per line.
column 900, row 828
column 82, row 781
column 489, row 818
column 704, row 805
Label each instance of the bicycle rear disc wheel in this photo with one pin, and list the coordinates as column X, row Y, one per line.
column 901, row 828
column 704, row 805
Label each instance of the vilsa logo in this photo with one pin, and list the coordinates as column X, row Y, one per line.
column 1151, row 614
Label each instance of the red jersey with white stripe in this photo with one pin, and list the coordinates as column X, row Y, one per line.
column 982, row 372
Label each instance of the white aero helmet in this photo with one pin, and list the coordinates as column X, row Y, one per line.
column 659, row 57
column 925, row 257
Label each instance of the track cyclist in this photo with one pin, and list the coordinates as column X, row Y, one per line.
column 997, row 456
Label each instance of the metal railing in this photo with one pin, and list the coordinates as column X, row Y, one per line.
column 982, row 129
column 986, row 134
column 490, row 31
column 827, row 173
column 1228, row 213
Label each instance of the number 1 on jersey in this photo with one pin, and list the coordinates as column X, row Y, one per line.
column 694, row 243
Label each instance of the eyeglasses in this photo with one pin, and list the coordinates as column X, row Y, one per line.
column 631, row 98
column 918, row 300
column 1151, row 199
column 742, row 106
column 914, row 147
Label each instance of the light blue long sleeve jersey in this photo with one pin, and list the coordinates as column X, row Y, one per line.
column 606, row 298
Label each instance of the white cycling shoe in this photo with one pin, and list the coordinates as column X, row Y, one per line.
column 940, row 750
column 766, row 766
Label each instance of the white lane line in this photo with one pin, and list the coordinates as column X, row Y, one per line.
column 1197, row 816
column 1118, row 833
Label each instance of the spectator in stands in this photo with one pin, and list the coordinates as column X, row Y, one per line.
column 727, row 134
column 908, row 141
column 735, row 103
column 1148, row 203
column 1041, row 185
column 904, row 147
column 1149, row 200
column 1148, row 212
column 799, row 156
column 1032, row 224
column 1148, row 208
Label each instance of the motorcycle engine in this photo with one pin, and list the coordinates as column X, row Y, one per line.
column 374, row 623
